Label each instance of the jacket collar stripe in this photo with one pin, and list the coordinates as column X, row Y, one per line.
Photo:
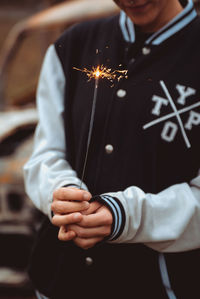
column 188, row 9
column 175, row 29
column 122, row 22
column 175, row 25
column 131, row 29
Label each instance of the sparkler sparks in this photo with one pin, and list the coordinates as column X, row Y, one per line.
column 96, row 73
column 103, row 72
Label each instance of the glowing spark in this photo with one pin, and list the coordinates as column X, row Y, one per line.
column 97, row 73
column 103, row 72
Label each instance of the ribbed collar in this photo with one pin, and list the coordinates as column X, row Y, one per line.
column 186, row 16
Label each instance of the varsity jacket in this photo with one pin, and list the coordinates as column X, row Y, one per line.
column 143, row 158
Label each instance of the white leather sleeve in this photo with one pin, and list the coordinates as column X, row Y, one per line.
column 167, row 222
column 47, row 168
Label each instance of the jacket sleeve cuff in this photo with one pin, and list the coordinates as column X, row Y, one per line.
column 117, row 211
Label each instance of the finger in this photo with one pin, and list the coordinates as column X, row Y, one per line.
column 65, row 235
column 102, row 217
column 59, row 220
column 64, row 207
column 71, row 194
column 94, row 206
column 100, row 231
column 87, row 243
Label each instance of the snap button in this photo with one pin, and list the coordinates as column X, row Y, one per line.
column 109, row 148
column 121, row 93
column 146, row 50
column 88, row 261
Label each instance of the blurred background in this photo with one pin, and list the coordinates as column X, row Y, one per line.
column 27, row 27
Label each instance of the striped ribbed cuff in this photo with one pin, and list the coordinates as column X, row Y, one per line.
column 70, row 185
column 117, row 211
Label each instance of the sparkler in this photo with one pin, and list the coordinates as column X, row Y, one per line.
column 97, row 73
column 104, row 72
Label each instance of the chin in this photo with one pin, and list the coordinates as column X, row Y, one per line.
column 142, row 20
column 139, row 20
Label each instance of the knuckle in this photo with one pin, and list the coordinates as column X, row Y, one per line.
column 55, row 221
column 66, row 219
column 53, row 206
column 84, row 221
column 108, row 219
column 107, row 231
column 56, row 193
column 70, row 227
column 82, row 243
column 61, row 192
column 84, row 205
column 61, row 236
column 81, row 232
column 85, row 245
column 97, row 205
column 59, row 207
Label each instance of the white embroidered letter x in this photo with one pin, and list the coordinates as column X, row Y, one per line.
column 170, row 129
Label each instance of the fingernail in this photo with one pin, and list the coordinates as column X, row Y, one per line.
column 86, row 196
column 86, row 203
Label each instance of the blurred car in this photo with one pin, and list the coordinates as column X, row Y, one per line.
column 18, row 217
column 19, row 70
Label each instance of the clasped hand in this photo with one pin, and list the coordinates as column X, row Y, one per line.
column 83, row 222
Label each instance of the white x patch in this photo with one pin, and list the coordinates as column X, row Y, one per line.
column 170, row 129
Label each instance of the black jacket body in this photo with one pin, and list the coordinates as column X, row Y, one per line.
column 152, row 159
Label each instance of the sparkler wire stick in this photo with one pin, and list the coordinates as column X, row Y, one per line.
column 99, row 72
column 90, row 127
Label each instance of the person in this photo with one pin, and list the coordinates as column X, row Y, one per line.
column 132, row 228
